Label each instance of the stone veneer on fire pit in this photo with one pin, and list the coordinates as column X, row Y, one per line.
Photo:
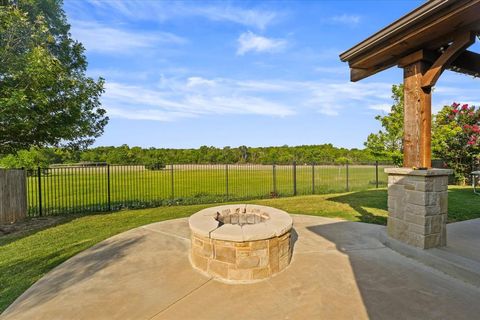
column 241, row 242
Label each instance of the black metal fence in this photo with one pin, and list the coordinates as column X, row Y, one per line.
column 75, row 189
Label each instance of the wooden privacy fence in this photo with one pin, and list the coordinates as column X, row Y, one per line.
column 13, row 195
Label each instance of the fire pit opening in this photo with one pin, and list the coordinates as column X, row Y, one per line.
column 241, row 243
column 240, row 216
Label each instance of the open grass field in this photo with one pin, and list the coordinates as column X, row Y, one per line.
column 93, row 189
column 26, row 256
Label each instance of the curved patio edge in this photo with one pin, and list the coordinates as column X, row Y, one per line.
column 145, row 273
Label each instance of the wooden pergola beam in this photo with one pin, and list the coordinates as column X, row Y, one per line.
column 467, row 62
column 461, row 42
column 357, row 74
column 432, row 26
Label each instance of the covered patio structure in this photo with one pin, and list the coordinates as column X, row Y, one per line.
column 425, row 42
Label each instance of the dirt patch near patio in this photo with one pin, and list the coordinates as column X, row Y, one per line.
column 31, row 224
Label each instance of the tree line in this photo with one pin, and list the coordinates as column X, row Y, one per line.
column 326, row 153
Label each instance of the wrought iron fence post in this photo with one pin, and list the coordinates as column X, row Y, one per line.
column 274, row 174
column 294, row 178
column 313, row 178
column 346, row 167
column 108, row 189
column 173, row 190
column 39, row 174
column 376, row 174
column 226, row 179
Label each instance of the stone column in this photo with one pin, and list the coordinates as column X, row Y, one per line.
column 417, row 206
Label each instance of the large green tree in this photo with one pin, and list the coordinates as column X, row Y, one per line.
column 45, row 97
column 388, row 142
column 456, row 138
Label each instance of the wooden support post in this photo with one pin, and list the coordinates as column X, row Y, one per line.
column 421, row 71
column 417, row 117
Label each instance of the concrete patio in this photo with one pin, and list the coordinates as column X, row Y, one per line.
column 339, row 270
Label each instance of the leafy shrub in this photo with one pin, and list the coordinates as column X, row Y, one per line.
column 155, row 166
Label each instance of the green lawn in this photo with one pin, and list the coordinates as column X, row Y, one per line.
column 26, row 258
column 78, row 190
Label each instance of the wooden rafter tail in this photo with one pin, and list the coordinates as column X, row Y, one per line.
column 359, row 74
column 468, row 63
column 461, row 42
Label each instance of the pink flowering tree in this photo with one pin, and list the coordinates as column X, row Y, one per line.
column 456, row 138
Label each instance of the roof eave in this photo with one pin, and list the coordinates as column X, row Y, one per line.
column 397, row 27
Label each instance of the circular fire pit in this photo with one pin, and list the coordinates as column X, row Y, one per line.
column 241, row 242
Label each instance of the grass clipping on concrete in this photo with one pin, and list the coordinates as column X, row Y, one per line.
column 26, row 256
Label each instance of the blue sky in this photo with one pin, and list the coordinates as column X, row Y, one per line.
column 187, row 74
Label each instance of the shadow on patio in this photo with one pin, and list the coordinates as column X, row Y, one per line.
column 391, row 285
column 74, row 271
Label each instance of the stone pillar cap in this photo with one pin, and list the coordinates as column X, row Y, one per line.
column 414, row 172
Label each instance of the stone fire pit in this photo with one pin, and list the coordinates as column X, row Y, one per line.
column 241, row 242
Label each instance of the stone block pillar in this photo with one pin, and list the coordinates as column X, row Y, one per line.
column 417, row 206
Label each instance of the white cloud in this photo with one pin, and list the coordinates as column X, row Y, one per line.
column 330, row 98
column 110, row 74
column 199, row 82
column 262, row 86
column 196, row 96
column 333, row 70
column 348, row 19
column 163, row 10
column 106, row 39
column 248, row 41
column 146, row 114
column 246, row 17
column 384, row 107
column 180, row 99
